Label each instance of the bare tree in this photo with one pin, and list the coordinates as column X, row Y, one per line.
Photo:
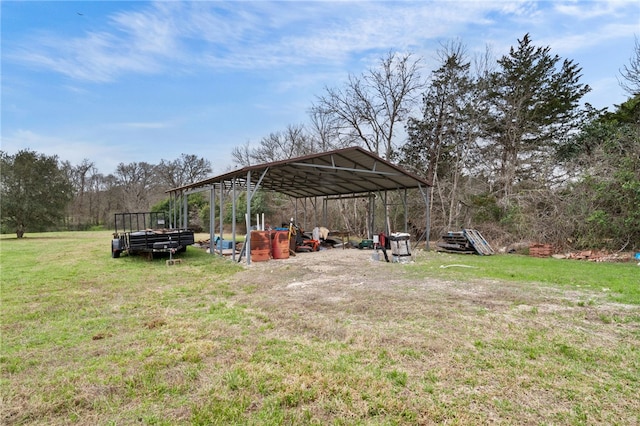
column 79, row 176
column 241, row 155
column 440, row 140
column 368, row 110
column 631, row 73
column 292, row 142
column 323, row 131
column 181, row 171
column 136, row 181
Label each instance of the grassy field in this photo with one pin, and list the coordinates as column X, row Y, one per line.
column 87, row 339
column 620, row 280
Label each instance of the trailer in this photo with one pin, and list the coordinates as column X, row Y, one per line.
column 148, row 233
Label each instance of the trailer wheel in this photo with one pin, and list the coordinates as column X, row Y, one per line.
column 115, row 253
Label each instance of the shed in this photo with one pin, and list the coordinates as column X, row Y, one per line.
column 348, row 172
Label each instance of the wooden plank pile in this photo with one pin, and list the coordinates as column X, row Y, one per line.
column 467, row 241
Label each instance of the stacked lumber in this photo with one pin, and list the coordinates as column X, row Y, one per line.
column 467, row 241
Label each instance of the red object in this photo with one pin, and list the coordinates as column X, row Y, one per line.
column 314, row 244
column 280, row 244
column 260, row 246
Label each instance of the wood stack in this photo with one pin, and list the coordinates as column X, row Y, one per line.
column 467, row 241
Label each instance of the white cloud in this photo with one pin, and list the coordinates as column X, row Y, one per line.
column 585, row 10
column 163, row 36
column 293, row 45
column 594, row 37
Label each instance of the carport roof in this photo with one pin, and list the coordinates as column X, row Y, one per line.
column 345, row 171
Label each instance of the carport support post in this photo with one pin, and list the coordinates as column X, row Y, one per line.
column 325, row 203
column 387, row 224
column 220, row 210
column 233, row 217
column 372, row 215
column 212, row 210
column 247, row 240
column 427, row 231
column 406, row 223
column 186, row 211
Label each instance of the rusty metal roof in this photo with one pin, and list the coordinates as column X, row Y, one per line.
column 348, row 171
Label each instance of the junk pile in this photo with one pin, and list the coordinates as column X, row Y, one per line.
column 598, row 256
column 547, row 250
column 467, row 241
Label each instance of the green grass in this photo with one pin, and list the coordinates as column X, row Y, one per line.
column 620, row 280
column 87, row 339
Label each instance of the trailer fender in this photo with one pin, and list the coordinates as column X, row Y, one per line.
column 116, row 248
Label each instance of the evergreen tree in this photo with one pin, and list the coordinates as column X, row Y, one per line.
column 532, row 103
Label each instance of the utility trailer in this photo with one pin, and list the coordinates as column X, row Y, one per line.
column 148, row 233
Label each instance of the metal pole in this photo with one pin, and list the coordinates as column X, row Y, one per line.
column 427, row 215
column 325, row 207
column 387, row 224
column 247, row 242
column 233, row 217
column 406, row 223
column 186, row 211
column 212, row 214
column 372, row 215
column 221, row 219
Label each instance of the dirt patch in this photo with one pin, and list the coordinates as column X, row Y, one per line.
column 349, row 285
column 466, row 341
column 336, row 274
column 345, row 293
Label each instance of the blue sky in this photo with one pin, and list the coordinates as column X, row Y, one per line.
column 118, row 81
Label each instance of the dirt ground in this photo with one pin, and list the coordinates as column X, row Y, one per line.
column 428, row 325
column 326, row 275
column 340, row 286
column 332, row 272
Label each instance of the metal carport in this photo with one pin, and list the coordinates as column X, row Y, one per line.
column 348, row 172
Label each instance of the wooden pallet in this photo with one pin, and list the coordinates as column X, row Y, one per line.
column 467, row 241
column 478, row 242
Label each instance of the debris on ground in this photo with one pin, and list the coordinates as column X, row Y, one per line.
column 547, row 250
column 600, row 256
column 540, row 250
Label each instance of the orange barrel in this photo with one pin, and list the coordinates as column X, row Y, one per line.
column 280, row 244
column 260, row 246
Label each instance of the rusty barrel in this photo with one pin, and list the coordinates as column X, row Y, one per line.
column 280, row 244
column 260, row 246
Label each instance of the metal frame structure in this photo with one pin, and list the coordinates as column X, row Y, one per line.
column 339, row 174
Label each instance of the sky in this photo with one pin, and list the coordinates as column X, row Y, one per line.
column 132, row 81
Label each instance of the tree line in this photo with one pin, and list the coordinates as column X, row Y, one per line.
column 41, row 193
column 508, row 145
